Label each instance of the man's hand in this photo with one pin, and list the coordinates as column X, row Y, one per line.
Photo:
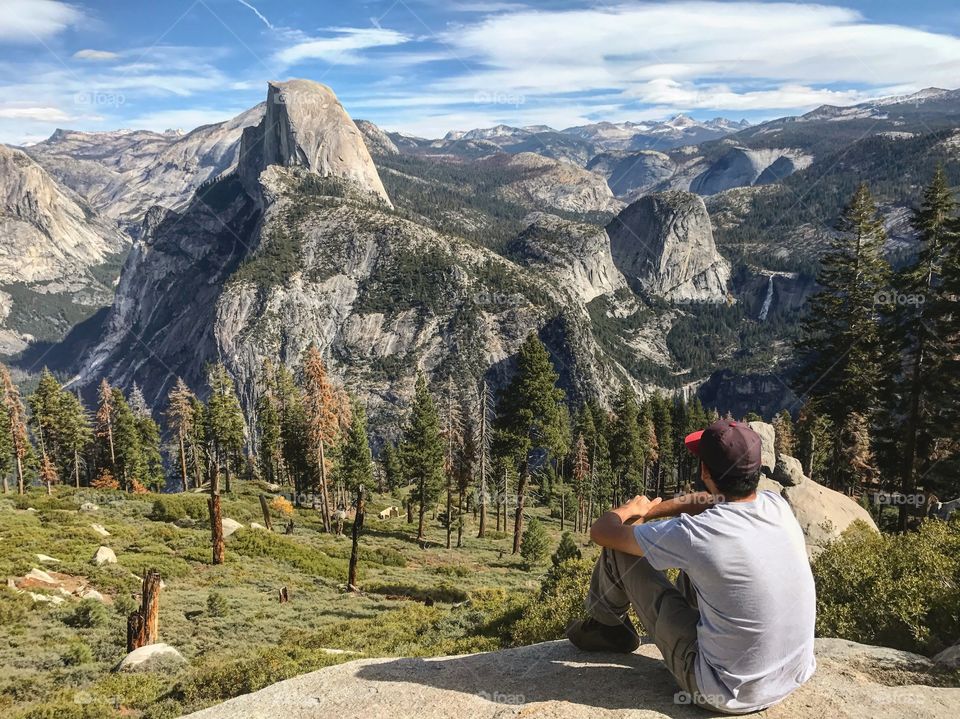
column 636, row 509
column 612, row 529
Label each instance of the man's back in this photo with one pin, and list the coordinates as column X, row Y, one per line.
column 756, row 596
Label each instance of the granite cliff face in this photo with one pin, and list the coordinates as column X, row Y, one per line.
column 305, row 125
column 51, row 242
column 123, row 173
column 663, row 243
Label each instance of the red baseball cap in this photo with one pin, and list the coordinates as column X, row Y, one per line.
column 730, row 449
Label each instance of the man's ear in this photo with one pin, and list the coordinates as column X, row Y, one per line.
column 707, row 479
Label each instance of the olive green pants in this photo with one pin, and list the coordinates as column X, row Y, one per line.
column 668, row 611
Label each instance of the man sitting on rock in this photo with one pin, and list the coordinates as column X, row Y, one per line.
column 736, row 630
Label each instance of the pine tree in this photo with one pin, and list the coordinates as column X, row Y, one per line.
column 422, row 451
column 531, row 418
column 76, row 434
column 392, row 471
column 814, row 443
column 356, row 472
column 128, row 447
column 180, row 420
column 225, row 422
column 44, row 406
column 785, row 440
column 16, row 422
column 581, row 477
column 535, row 544
column 922, row 323
column 484, row 423
column 453, row 440
column 327, row 413
column 648, row 438
column 662, row 419
column 566, row 550
column 841, row 343
column 104, row 427
column 149, row 431
column 6, row 446
column 857, row 466
column 466, row 465
column 269, row 426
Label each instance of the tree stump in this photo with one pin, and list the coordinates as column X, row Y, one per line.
column 284, row 597
column 265, row 508
column 216, row 528
column 355, row 546
column 289, row 528
column 143, row 625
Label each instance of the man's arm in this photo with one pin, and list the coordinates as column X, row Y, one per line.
column 613, row 531
column 684, row 504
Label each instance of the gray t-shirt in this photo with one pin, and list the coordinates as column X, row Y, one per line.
column 748, row 563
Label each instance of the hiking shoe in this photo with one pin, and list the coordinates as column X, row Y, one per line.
column 589, row 635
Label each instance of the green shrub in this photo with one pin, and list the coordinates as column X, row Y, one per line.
column 216, row 605
column 900, row 591
column 300, row 556
column 535, row 543
column 559, row 602
column 566, row 550
column 124, row 604
column 443, row 592
column 88, row 613
column 13, row 607
column 171, row 507
column 77, row 653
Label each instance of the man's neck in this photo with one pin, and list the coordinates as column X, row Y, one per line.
column 749, row 498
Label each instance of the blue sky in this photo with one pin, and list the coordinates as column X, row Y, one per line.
column 428, row 66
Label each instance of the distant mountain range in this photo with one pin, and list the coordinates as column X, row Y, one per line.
column 525, row 213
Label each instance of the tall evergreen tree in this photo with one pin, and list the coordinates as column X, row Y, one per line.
column 269, row 426
column 531, row 419
column 44, row 406
column 76, row 434
column 662, row 418
column 452, row 422
column 390, row 462
column 485, row 416
column 128, row 447
column 466, row 465
column 356, row 473
column 149, row 431
column 626, row 446
column 928, row 397
column 180, row 421
column 841, row 344
column 225, row 422
column 16, row 422
column 422, row 451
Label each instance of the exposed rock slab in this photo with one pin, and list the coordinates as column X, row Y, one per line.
column 663, row 243
column 150, row 658
column 555, row 680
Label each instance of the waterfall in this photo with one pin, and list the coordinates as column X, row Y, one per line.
column 767, row 300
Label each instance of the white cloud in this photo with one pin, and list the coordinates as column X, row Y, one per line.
column 35, row 20
column 342, row 47
column 96, row 55
column 187, row 119
column 37, row 114
column 643, row 47
column 256, row 12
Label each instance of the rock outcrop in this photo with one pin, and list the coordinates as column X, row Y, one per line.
column 123, row 173
column 742, row 167
column 634, row 173
column 51, row 243
column 152, row 658
column 377, row 141
column 305, row 125
column 823, row 513
column 545, row 183
column 576, row 255
column 663, row 244
column 555, row 680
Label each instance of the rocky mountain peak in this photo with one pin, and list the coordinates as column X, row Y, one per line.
column 663, row 243
column 305, row 125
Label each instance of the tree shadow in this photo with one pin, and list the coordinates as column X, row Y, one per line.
column 551, row 672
